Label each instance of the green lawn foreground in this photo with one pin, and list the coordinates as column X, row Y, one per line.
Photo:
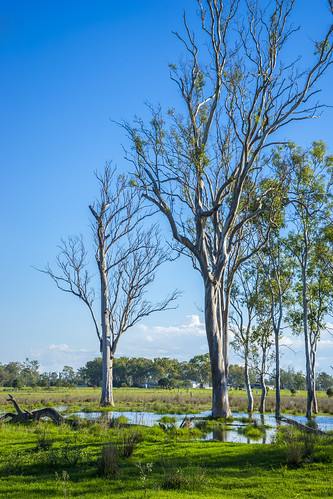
column 42, row 460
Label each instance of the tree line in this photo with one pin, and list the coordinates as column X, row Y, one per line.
column 138, row 372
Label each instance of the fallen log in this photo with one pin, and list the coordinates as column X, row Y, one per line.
column 301, row 426
column 35, row 415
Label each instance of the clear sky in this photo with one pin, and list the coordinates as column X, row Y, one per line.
column 67, row 69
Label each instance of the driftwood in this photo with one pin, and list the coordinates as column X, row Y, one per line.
column 301, row 426
column 23, row 416
column 186, row 423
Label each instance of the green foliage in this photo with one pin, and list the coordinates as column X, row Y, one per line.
column 329, row 392
column 299, row 445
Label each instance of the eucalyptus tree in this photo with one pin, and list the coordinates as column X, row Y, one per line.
column 244, row 301
column 311, row 204
column 277, row 270
column 127, row 257
column 193, row 164
column 262, row 353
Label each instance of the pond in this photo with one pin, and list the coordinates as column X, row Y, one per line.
column 325, row 423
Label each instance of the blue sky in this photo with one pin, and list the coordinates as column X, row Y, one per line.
column 67, row 69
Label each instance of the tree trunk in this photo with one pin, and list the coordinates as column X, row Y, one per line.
column 107, row 379
column 313, row 376
column 220, row 403
column 262, row 407
column 107, row 358
column 308, row 364
column 248, row 383
column 277, row 376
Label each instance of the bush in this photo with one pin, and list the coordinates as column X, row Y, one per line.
column 329, row 392
column 44, row 442
column 127, row 444
column 107, row 465
column 176, row 478
column 300, row 445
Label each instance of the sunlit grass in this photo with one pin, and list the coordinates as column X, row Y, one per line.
column 153, row 400
column 163, row 465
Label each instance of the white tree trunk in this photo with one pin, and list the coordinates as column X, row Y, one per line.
column 277, row 376
column 248, row 383
column 308, row 363
column 107, row 375
column 220, row 406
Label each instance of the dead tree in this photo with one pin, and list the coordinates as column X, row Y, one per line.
column 36, row 415
column 127, row 256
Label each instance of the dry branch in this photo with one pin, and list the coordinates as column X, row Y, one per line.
column 36, row 415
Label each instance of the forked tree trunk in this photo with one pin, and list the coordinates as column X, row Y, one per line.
column 220, row 403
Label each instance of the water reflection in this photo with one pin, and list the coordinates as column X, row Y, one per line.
column 230, row 434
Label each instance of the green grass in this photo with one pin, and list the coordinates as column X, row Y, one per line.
column 158, row 401
column 163, row 465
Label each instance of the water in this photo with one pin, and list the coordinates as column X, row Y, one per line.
column 325, row 423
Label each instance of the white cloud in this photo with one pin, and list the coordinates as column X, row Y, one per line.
column 62, row 347
column 181, row 341
column 55, row 357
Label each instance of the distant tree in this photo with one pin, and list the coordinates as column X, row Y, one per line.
column 324, row 381
column 91, row 373
column 67, row 375
column 237, row 375
column 291, row 379
column 164, row 367
column 198, row 369
column 30, row 372
column 13, row 372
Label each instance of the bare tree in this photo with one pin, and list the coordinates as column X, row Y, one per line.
column 194, row 167
column 127, row 257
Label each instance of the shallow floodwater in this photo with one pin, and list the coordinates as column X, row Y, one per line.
column 324, row 423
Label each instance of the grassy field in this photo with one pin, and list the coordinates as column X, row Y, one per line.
column 40, row 460
column 159, row 401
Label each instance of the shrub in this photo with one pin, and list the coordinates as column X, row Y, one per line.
column 329, row 392
column 300, row 445
column 44, row 441
column 107, row 465
column 176, row 478
column 127, row 444
column 312, row 424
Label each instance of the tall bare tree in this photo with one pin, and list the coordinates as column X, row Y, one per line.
column 194, row 165
column 127, row 257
